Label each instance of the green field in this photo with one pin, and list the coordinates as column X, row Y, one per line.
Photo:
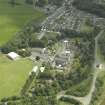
column 13, row 75
column 86, row 28
column 101, row 98
column 12, row 19
column 64, row 103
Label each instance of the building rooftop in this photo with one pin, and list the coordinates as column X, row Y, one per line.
column 13, row 55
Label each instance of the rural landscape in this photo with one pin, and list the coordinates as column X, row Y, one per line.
column 52, row 52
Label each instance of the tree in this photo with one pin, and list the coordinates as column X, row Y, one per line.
column 12, row 2
column 56, row 2
column 29, row 1
column 37, row 58
column 33, row 2
column 41, row 3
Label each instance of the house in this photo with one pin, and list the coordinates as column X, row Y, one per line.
column 13, row 56
column 60, row 63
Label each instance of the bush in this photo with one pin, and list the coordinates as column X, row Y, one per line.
column 72, row 101
column 24, row 53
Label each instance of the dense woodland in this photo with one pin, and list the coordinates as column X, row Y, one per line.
column 38, row 3
column 90, row 6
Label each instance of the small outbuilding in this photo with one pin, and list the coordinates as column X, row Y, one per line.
column 42, row 69
column 35, row 69
column 13, row 56
column 99, row 66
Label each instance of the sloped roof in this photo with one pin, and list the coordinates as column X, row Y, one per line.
column 13, row 55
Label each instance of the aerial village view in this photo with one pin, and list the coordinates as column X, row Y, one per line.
column 52, row 52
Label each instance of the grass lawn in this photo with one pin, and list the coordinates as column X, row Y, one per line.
column 99, row 52
column 99, row 97
column 86, row 28
column 81, row 89
column 51, row 35
column 64, row 103
column 12, row 19
column 100, row 56
column 101, row 100
column 103, row 103
column 13, row 75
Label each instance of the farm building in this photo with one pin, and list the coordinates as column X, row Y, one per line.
column 13, row 56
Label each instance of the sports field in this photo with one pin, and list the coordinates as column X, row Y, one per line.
column 13, row 75
column 13, row 18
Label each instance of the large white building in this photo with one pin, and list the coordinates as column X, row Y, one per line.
column 13, row 56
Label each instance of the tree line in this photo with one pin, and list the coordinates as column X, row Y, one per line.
column 39, row 3
column 90, row 6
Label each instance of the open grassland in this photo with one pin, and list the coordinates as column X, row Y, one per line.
column 13, row 18
column 99, row 94
column 13, row 75
column 86, row 28
column 101, row 50
column 100, row 55
column 101, row 100
column 64, row 103
column 68, row 103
